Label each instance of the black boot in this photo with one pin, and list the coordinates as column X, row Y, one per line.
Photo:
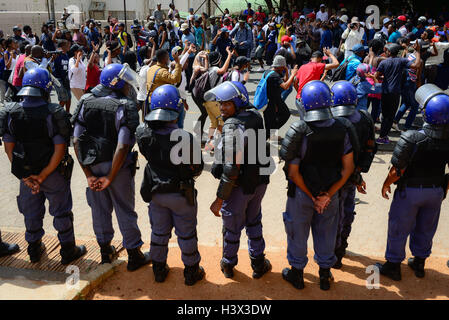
column 70, row 252
column 227, row 269
column 339, row 254
column 137, row 259
column 260, row 266
column 193, row 274
column 325, row 278
column 108, row 252
column 294, row 276
column 7, row 249
column 35, row 250
column 390, row 270
column 417, row 264
column 160, row 270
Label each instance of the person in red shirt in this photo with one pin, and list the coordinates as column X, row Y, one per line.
column 312, row 71
column 93, row 72
column 260, row 15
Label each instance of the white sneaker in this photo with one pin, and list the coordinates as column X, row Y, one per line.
column 395, row 126
column 260, row 69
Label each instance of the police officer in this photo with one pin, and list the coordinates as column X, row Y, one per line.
column 105, row 122
column 36, row 134
column 242, row 185
column 169, row 183
column 318, row 152
column 419, row 161
column 344, row 105
column 7, row 249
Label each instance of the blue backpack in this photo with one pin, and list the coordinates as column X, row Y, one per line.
column 260, row 97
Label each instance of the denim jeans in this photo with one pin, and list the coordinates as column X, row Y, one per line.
column 408, row 101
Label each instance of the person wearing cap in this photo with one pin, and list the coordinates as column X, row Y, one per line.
column 104, row 152
column 313, row 70
column 301, row 29
column 123, row 39
column 271, row 45
column 322, row 14
column 358, row 54
column 400, row 22
column 352, row 36
column 278, row 80
column 36, row 135
column 77, row 72
column 158, row 14
column 319, row 158
column 169, row 184
column 18, row 35
column 78, row 37
column 243, row 179
column 221, row 42
column 46, row 39
column 392, row 70
column 385, row 23
column 61, row 72
column 243, row 35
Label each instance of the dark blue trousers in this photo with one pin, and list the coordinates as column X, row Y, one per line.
column 238, row 212
column 414, row 212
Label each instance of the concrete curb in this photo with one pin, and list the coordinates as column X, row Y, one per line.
column 93, row 280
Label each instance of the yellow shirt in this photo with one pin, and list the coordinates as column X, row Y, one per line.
column 163, row 76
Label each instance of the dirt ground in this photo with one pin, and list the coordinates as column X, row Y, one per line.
column 349, row 283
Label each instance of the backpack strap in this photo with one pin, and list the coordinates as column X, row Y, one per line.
column 149, row 90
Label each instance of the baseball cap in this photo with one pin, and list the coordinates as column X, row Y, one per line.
column 279, row 61
column 224, row 29
column 386, row 20
column 344, row 18
column 286, row 39
column 16, row 28
column 402, row 18
column 175, row 50
column 311, row 15
column 240, row 61
column 184, row 26
column 302, row 17
column 358, row 48
column 355, row 20
column 322, row 5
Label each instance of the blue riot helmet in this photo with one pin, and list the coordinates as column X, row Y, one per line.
column 35, row 82
column 114, row 76
column 166, row 104
column 230, row 91
column 435, row 103
column 344, row 97
column 316, row 97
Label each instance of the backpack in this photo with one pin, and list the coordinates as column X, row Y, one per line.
column 340, row 72
column 130, row 39
column 261, row 97
column 201, row 86
column 227, row 76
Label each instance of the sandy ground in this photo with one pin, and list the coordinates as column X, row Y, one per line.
column 350, row 282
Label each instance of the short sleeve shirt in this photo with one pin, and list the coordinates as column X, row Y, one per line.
column 392, row 69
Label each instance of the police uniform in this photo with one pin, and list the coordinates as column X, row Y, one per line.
column 423, row 156
column 170, row 187
column 7, row 249
column 344, row 105
column 96, row 144
column 317, row 144
column 242, row 188
column 35, row 126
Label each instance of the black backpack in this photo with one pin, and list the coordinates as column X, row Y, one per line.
column 340, row 72
column 201, row 86
column 130, row 39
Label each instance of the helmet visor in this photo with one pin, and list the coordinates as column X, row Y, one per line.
column 129, row 76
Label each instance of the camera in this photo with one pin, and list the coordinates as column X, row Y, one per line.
column 136, row 27
column 353, row 25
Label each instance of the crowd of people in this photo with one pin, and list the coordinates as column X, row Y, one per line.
column 339, row 68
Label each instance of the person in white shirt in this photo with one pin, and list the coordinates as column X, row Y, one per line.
column 431, row 67
column 77, row 73
column 322, row 14
column 352, row 35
